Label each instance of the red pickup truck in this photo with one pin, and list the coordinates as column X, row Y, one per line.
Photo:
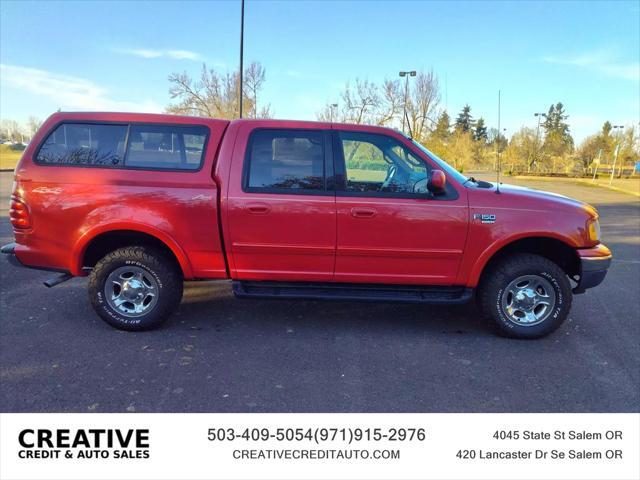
column 289, row 209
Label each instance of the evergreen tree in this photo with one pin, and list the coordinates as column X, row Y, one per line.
column 605, row 141
column 443, row 125
column 558, row 140
column 480, row 133
column 464, row 122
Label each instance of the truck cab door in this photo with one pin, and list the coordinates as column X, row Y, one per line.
column 281, row 212
column 390, row 228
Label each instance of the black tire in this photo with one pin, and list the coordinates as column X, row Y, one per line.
column 156, row 268
column 492, row 293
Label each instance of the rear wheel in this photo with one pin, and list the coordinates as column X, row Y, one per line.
column 135, row 288
column 525, row 296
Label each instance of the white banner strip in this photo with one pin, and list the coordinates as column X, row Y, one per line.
column 319, row 446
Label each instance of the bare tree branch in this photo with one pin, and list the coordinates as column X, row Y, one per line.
column 216, row 95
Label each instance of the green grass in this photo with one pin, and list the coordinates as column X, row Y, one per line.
column 366, row 175
column 9, row 157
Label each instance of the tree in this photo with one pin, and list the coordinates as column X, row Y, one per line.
column 480, row 132
column 254, row 77
column 215, row 94
column 390, row 102
column 443, row 126
column 629, row 152
column 11, row 130
column 599, row 145
column 520, row 151
column 496, row 139
column 422, row 103
column 329, row 113
column 460, row 149
column 464, row 122
column 558, row 140
column 360, row 105
column 384, row 104
column 589, row 150
column 33, row 124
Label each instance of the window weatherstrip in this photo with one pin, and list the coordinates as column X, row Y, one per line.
column 290, row 133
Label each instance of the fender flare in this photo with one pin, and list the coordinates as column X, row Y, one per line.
column 485, row 257
column 80, row 247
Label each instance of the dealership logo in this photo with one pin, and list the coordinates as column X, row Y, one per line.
column 92, row 443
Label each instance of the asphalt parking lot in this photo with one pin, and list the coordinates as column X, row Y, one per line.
column 219, row 354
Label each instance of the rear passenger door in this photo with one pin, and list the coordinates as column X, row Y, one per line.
column 281, row 206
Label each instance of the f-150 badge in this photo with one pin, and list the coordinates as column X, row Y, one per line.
column 485, row 217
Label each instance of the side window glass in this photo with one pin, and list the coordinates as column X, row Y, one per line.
column 366, row 166
column 288, row 160
column 166, row 147
column 84, row 144
column 379, row 164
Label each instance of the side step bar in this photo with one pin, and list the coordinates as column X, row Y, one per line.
column 57, row 280
column 353, row 292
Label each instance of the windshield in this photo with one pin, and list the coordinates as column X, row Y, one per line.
column 441, row 163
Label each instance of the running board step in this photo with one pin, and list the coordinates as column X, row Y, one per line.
column 353, row 292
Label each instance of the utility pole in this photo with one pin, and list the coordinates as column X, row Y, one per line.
column 241, row 52
column 406, row 74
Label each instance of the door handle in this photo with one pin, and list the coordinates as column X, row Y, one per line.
column 363, row 212
column 258, row 208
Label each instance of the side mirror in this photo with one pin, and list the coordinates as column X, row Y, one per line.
column 437, row 183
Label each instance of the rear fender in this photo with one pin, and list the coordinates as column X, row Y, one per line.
column 83, row 242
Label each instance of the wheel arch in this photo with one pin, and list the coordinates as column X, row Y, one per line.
column 93, row 245
column 557, row 249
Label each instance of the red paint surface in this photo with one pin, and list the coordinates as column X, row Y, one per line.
column 277, row 236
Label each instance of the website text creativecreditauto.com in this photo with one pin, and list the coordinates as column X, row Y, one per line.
column 315, row 454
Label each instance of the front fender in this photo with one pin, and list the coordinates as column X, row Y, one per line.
column 475, row 262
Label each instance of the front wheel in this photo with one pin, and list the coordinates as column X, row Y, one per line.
column 525, row 296
column 135, row 288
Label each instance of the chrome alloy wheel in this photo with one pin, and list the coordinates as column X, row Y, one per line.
column 131, row 291
column 528, row 300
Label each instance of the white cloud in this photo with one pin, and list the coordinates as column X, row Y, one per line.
column 183, row 55
column 152, row 53
column 141, row 52
column 602, row 61
column 69, row 92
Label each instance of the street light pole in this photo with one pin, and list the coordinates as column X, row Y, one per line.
column 241, row 51
column 535, row 157
column 498, row 166
column 406, row 74
column 331, row 107
column 615, row 153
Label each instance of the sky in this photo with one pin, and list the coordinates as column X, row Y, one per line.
column 117, row 55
